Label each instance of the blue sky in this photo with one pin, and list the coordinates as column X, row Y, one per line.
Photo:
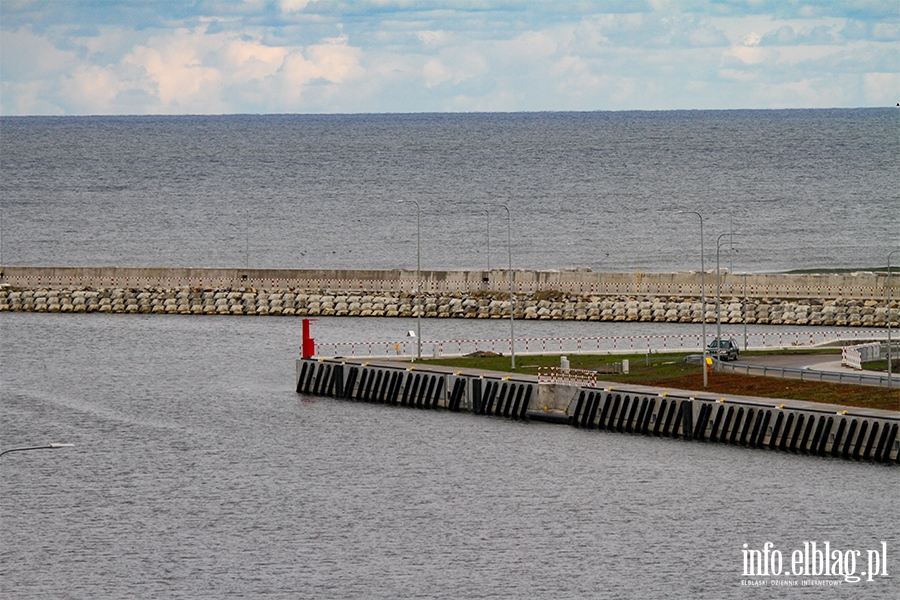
column 78, row 57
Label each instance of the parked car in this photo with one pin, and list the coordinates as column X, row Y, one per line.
column 723, row 349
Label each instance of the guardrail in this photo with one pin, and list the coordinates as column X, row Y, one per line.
column 583, row 345
column 809, row 374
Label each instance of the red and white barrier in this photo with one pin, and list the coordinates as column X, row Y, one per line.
column 854, row 356
column 558, row 375
column 585, row 345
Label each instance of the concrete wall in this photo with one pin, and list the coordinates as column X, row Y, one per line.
column 862, row 286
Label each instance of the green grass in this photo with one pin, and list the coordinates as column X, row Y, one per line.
column 670, row 371
column 881, row 366
column 894, row 269
column 661, row 366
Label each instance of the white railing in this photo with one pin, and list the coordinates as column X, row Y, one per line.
column 583, row 345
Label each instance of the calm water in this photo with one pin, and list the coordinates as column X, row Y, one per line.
column 199, row 472
column 806, row 188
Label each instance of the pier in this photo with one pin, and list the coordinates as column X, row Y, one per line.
column 755, row 423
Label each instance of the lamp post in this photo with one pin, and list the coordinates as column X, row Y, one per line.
column 719, row 290
column 51, row 446
column 488, row 239
column 512, row 335
column 418, row 278
column 744, row 312
column 702, row 292
column 890, row 357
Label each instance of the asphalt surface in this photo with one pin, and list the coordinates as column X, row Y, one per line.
column 814, row 362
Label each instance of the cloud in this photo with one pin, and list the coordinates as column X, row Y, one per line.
column 454, row 67
column 820, row 35
column 292, row 6
column 102, row 56
column 333, row 61
column 25, row 55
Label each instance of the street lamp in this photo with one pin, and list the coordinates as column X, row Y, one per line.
column 488, row 239
column 418, row 278
column 702, row 292
column 51, row 446
column 719, row 291
column 512, row 335
column 890, row 381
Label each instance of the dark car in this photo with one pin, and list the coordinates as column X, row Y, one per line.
column 723, row 349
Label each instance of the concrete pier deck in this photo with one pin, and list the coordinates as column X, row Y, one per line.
column 762, row 423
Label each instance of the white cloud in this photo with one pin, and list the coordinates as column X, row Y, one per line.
column 400, row 55
column 435, row 73
column 881, row 88
column 454, row 66
column 24, row 55
column 175, row 69
column 752, row 39
column 92, row 89
column 292, row 6
column 249, row 59
column 433, row 39
column 185, row 71
column 532, row 45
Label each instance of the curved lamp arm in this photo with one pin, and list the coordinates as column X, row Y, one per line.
column 51, row 446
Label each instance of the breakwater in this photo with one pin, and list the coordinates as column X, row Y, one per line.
column 579, row 282
column 781, row 425
column 858, row 300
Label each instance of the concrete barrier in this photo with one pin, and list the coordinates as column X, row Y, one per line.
column 579, row 282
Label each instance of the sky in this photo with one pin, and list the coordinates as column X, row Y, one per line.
column 102, row 57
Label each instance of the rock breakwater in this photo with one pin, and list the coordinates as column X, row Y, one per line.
column 485, row 305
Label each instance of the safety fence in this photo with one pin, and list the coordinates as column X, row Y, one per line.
column 852, row 356
column 584, row 345
column 855, row 356
column 558, row 375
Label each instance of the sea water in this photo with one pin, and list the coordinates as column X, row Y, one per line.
column 199, row 472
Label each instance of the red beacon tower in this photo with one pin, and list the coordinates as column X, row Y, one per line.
column 308, row 349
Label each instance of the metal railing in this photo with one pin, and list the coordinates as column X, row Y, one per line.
column 808, row 374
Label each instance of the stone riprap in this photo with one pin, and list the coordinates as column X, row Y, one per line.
column 485, row 305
